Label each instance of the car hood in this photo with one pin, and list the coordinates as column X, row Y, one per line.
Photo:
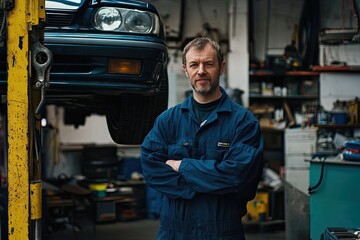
column 76, row 4
column 64, row 4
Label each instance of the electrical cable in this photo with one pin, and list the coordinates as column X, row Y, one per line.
column 311, row 189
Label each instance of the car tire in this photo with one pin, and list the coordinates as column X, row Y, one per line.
column 132, row 116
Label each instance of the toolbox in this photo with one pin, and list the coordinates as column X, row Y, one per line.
column 336, row 233
column 352, row 150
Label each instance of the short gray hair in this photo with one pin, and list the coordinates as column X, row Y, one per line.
column 200, row 43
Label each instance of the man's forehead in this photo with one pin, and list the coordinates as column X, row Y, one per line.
column 201, row 54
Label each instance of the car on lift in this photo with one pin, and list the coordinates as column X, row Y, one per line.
column 109, row 58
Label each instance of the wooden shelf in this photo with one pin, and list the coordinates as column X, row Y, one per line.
column 300, row 97
column 336, row 68
column 259, row 73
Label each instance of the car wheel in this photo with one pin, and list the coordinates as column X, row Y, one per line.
column 132, row 116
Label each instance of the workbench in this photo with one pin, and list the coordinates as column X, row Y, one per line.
column 122, row 205
column 336, row 200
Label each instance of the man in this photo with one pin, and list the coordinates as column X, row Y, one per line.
column 204, row 155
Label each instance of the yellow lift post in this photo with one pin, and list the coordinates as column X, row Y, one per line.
column 24, row 32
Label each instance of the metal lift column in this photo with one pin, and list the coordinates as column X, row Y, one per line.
column 24, row 184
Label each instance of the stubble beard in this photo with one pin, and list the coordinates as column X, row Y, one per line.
column 208, row 91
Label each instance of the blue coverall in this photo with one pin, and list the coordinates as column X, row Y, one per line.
column 221, row 167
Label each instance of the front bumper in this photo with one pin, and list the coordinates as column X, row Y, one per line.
column 81, row 62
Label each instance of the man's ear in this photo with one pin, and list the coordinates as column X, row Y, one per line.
column 186, row 73
column 222, row 67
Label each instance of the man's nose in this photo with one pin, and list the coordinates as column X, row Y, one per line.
column 202, row 69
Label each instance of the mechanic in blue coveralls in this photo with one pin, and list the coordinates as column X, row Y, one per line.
column 204, row 155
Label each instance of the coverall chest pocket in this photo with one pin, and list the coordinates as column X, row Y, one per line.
column 216, row 149
column 184, row 148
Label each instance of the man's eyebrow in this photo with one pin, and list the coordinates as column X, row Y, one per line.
column 193, row 61
column 205, row 61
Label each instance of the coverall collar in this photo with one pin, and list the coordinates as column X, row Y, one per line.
column 224, row 105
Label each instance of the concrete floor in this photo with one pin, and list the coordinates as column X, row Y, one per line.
column 136, row 230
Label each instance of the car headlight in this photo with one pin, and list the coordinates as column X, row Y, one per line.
column 107, row 19
column 138, row 22
column 126, row 20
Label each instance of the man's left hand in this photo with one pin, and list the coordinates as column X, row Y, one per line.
column 174, row 164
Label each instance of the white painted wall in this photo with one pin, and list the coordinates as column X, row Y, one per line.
column 238, row 57
column 338, row 86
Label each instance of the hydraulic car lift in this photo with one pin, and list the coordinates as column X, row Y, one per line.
column 28, row 63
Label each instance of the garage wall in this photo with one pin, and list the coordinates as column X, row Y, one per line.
column 238, row 56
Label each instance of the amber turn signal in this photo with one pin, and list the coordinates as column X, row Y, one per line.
column 123, row 66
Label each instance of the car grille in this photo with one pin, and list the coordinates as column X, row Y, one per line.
column 75, row 64
column 59, row 19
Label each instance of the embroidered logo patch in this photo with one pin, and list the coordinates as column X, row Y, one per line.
column 223, row 144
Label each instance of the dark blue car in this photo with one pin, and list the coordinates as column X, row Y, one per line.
column 109, row 58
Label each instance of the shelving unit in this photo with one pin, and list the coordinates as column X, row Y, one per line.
column 279, row 100
column 274, row 89
column 338, row 82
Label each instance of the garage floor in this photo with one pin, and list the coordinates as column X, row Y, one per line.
column 137, row 230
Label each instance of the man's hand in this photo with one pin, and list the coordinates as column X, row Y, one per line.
column 174, row 164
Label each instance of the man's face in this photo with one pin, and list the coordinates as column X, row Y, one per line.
column 203, row 69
